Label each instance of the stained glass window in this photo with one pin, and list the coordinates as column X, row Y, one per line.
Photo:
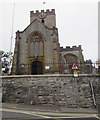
column 36, row 49
column 36, row 45
column 32, row 49
column 41, row 48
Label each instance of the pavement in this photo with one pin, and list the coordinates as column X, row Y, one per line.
column 47, row 108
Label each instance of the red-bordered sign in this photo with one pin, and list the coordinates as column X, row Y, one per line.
column 74, row 66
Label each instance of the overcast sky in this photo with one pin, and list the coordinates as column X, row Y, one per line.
column 76, row 20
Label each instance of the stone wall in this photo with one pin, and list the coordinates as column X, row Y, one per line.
column 58, row 90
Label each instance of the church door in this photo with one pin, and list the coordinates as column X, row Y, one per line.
column 36, row 68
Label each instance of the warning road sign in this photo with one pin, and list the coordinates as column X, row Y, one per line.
column 74, row 66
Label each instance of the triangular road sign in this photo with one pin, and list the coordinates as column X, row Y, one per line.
column 74, row 66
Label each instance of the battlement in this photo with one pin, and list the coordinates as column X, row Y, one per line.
column 37, row 12
column 68, row 48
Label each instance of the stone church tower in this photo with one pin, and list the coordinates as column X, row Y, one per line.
column 37, row 46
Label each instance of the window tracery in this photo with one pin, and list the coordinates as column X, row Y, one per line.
column 36, row 45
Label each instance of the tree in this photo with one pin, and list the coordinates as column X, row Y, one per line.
column 6, row 59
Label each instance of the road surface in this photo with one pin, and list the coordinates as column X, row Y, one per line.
column 13, row 114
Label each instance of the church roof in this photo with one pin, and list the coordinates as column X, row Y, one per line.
column 39, row 22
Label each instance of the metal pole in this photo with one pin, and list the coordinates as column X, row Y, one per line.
column 76, row 84
column 77, row 94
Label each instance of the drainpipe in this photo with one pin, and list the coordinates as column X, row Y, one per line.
column 94, row 101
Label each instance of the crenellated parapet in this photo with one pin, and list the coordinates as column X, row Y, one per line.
column 68, row 48
column 37, row 12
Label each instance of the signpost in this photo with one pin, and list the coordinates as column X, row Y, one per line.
column 75, row 74
column 75, row 68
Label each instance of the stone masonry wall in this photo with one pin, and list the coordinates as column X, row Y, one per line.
column 58, row 90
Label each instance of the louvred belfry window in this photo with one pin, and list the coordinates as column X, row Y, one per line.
column 36, row 45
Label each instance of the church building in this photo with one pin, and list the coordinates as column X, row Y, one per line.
column 37, row 49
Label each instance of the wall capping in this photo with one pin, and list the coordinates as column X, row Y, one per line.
column 49, row 75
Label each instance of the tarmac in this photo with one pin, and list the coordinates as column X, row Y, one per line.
column 48, row 108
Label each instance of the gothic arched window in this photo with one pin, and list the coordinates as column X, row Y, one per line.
column 36, row 45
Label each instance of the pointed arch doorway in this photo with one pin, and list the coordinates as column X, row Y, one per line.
column 36, row 68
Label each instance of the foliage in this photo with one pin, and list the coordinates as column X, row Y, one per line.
column 6, row 59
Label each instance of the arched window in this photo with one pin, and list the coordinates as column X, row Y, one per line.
column 36, row 45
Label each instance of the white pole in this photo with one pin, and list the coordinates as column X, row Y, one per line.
column 12, row 27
